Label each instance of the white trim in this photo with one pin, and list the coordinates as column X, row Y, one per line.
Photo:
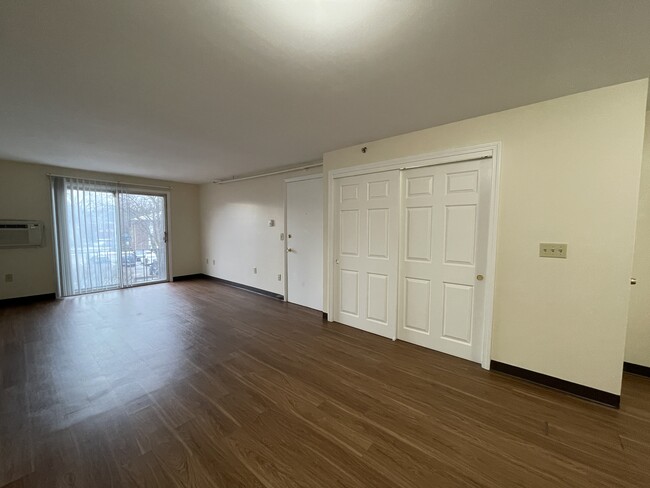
column 420, row 160
column 329, row 289
column 398, row 251
column 168, row 212
column 284, row 243
column 488, row 311
column 490, row 150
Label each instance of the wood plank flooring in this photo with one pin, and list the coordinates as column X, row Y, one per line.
column 196, row 384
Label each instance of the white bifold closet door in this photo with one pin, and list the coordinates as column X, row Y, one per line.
column 366, row 252
column 430, row 292
column 443, row 252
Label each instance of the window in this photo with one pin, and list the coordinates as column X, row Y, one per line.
column 108, row 235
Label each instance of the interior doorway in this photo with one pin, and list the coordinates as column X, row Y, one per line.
column 304, row 241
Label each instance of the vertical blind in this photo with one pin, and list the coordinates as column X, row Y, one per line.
column 87, row 238
column 107, row 235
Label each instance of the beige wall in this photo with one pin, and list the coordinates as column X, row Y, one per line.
column 637, row 350
column 235, row 231
column 569, row 173
column 25, row 194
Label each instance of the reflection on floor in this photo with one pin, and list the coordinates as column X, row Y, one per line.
column 198, row 384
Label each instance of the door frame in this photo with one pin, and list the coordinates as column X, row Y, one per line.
column 166, row 194
column 284, row 240
column 481, row 151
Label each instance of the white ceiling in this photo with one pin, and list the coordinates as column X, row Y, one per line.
column 192, row 90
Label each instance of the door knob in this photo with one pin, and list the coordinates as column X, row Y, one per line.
column 479, row 277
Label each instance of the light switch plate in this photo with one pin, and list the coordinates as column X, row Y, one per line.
column 552, row 250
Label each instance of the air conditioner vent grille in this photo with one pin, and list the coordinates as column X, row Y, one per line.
column 21, row 233
column 14, row 226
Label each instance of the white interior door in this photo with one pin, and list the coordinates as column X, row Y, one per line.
column 365, row 251
column 304, row 242
column 444, row 236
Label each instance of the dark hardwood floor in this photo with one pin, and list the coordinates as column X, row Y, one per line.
column 198, row 384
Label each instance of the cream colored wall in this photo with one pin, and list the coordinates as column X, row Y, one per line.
column 236, row 235
column 569, row 173
column 637, row 350
column 25, row 194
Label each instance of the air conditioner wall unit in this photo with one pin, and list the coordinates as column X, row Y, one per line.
column 21, row 233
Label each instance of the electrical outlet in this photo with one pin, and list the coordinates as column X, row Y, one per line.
column 550, row 250
column 9, row 278
column 279, row 277
column 254, row 270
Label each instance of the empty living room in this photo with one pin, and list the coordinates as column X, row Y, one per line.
column 236, row 237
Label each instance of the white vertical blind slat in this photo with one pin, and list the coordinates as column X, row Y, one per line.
column 98, row 265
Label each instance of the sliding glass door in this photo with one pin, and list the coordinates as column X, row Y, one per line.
column 108, row 236
column 143, row 238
